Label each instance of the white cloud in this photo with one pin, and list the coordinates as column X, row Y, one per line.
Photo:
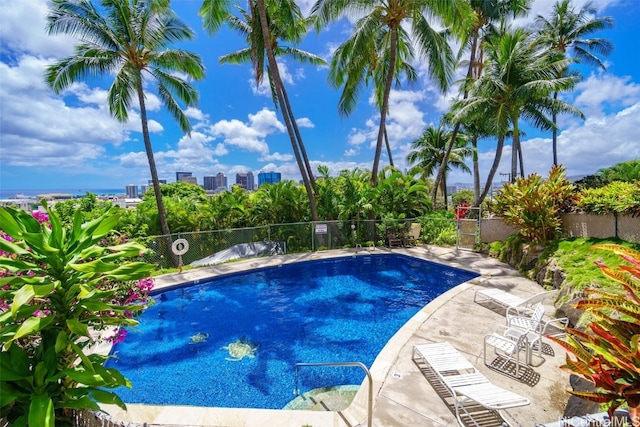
column 134, row 160
column 18, row 20
column 276, row 157
column 305, row 122
column 196, row 114
column 249, row 136
column 599, row 92
column 357, row 137
column 350, row 152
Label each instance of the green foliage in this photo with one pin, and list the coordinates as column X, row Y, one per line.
column 438, row 228
column 89, row 205
column 179, row 189
column 59, row 288
column 618, row 197
column 533, row 205
column 578, row 261
column 462, row 196
column 607, row 353
column 625, row 171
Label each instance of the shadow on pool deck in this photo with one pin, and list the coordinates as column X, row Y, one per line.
column 402, row 395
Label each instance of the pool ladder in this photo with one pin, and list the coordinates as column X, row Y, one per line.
column 344, row 365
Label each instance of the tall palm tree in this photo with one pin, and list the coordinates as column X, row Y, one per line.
column 352, row 72
column 487, row 14
column 287, row 26
column 516, row 82
column 565, row 31
column 429, row 149
column 264, row 27
column 381, row 27
column 130, row 40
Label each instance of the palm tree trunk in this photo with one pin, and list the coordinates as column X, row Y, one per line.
column 162, row 216
column 444, row 192
column 385, row 105
column 277, row 81
column 386, row 141
column 456, row 129
column 476, row 173
column 554, row 118
column 494, row 168
column 303, row 150
column 516, row 155
column 514, row 151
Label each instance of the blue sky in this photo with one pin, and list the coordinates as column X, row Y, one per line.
column 70, row 141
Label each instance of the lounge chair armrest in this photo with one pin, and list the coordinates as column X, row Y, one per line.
column 559, row 323
column 519, row 311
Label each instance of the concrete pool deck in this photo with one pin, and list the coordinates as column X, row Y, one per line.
column 402, row 396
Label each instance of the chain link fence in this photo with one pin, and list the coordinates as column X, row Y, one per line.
column 295, row 238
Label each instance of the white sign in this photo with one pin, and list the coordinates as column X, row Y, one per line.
column 321, row 228
column 180, row 247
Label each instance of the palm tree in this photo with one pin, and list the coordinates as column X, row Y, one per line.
column 280, row 21
column 131, row 40
column 381, row 28
column 487, row 14
column 516, row 82
column 429, row 150
column 352, row 72
column 566, row 29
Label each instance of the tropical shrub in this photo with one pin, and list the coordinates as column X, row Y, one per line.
column 608, row 352
column 438, row 228
column 533, row 205
column 59, row 290
column 616, row 197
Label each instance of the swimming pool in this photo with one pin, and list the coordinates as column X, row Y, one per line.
column 341, row 309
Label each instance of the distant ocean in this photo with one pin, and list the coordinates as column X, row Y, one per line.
column 13, row 194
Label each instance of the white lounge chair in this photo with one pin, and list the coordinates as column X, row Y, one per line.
column 531, row 321
column 464, row 383
column 512, row 303
column 508, row 343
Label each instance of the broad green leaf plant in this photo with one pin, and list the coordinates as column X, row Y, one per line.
column 533, row 205
column 608, row 352
column 62, row 290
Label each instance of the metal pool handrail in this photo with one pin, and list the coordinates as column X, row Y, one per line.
column 343, row 365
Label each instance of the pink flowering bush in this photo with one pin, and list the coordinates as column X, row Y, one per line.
column 59, row 288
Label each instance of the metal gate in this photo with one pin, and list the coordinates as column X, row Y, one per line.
column 468, row 227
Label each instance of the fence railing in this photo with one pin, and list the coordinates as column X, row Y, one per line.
column 601, row 226
column 296, row 237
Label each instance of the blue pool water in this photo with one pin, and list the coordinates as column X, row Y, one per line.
column 335, row 310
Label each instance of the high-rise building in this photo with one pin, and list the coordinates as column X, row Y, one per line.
column 221, row 181
column 180, row 176
column 190, row 179
column 245, row 180
column 161, row 181
column 269, row 178
column 251, row 185
column 209, row 182
column 131, row 191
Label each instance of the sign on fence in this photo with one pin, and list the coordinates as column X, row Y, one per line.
column 321, row 228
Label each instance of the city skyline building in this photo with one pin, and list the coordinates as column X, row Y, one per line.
column 269, row 178
column 131, row 191
column 221, row 181
column 180, row 176
column 245, row 180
